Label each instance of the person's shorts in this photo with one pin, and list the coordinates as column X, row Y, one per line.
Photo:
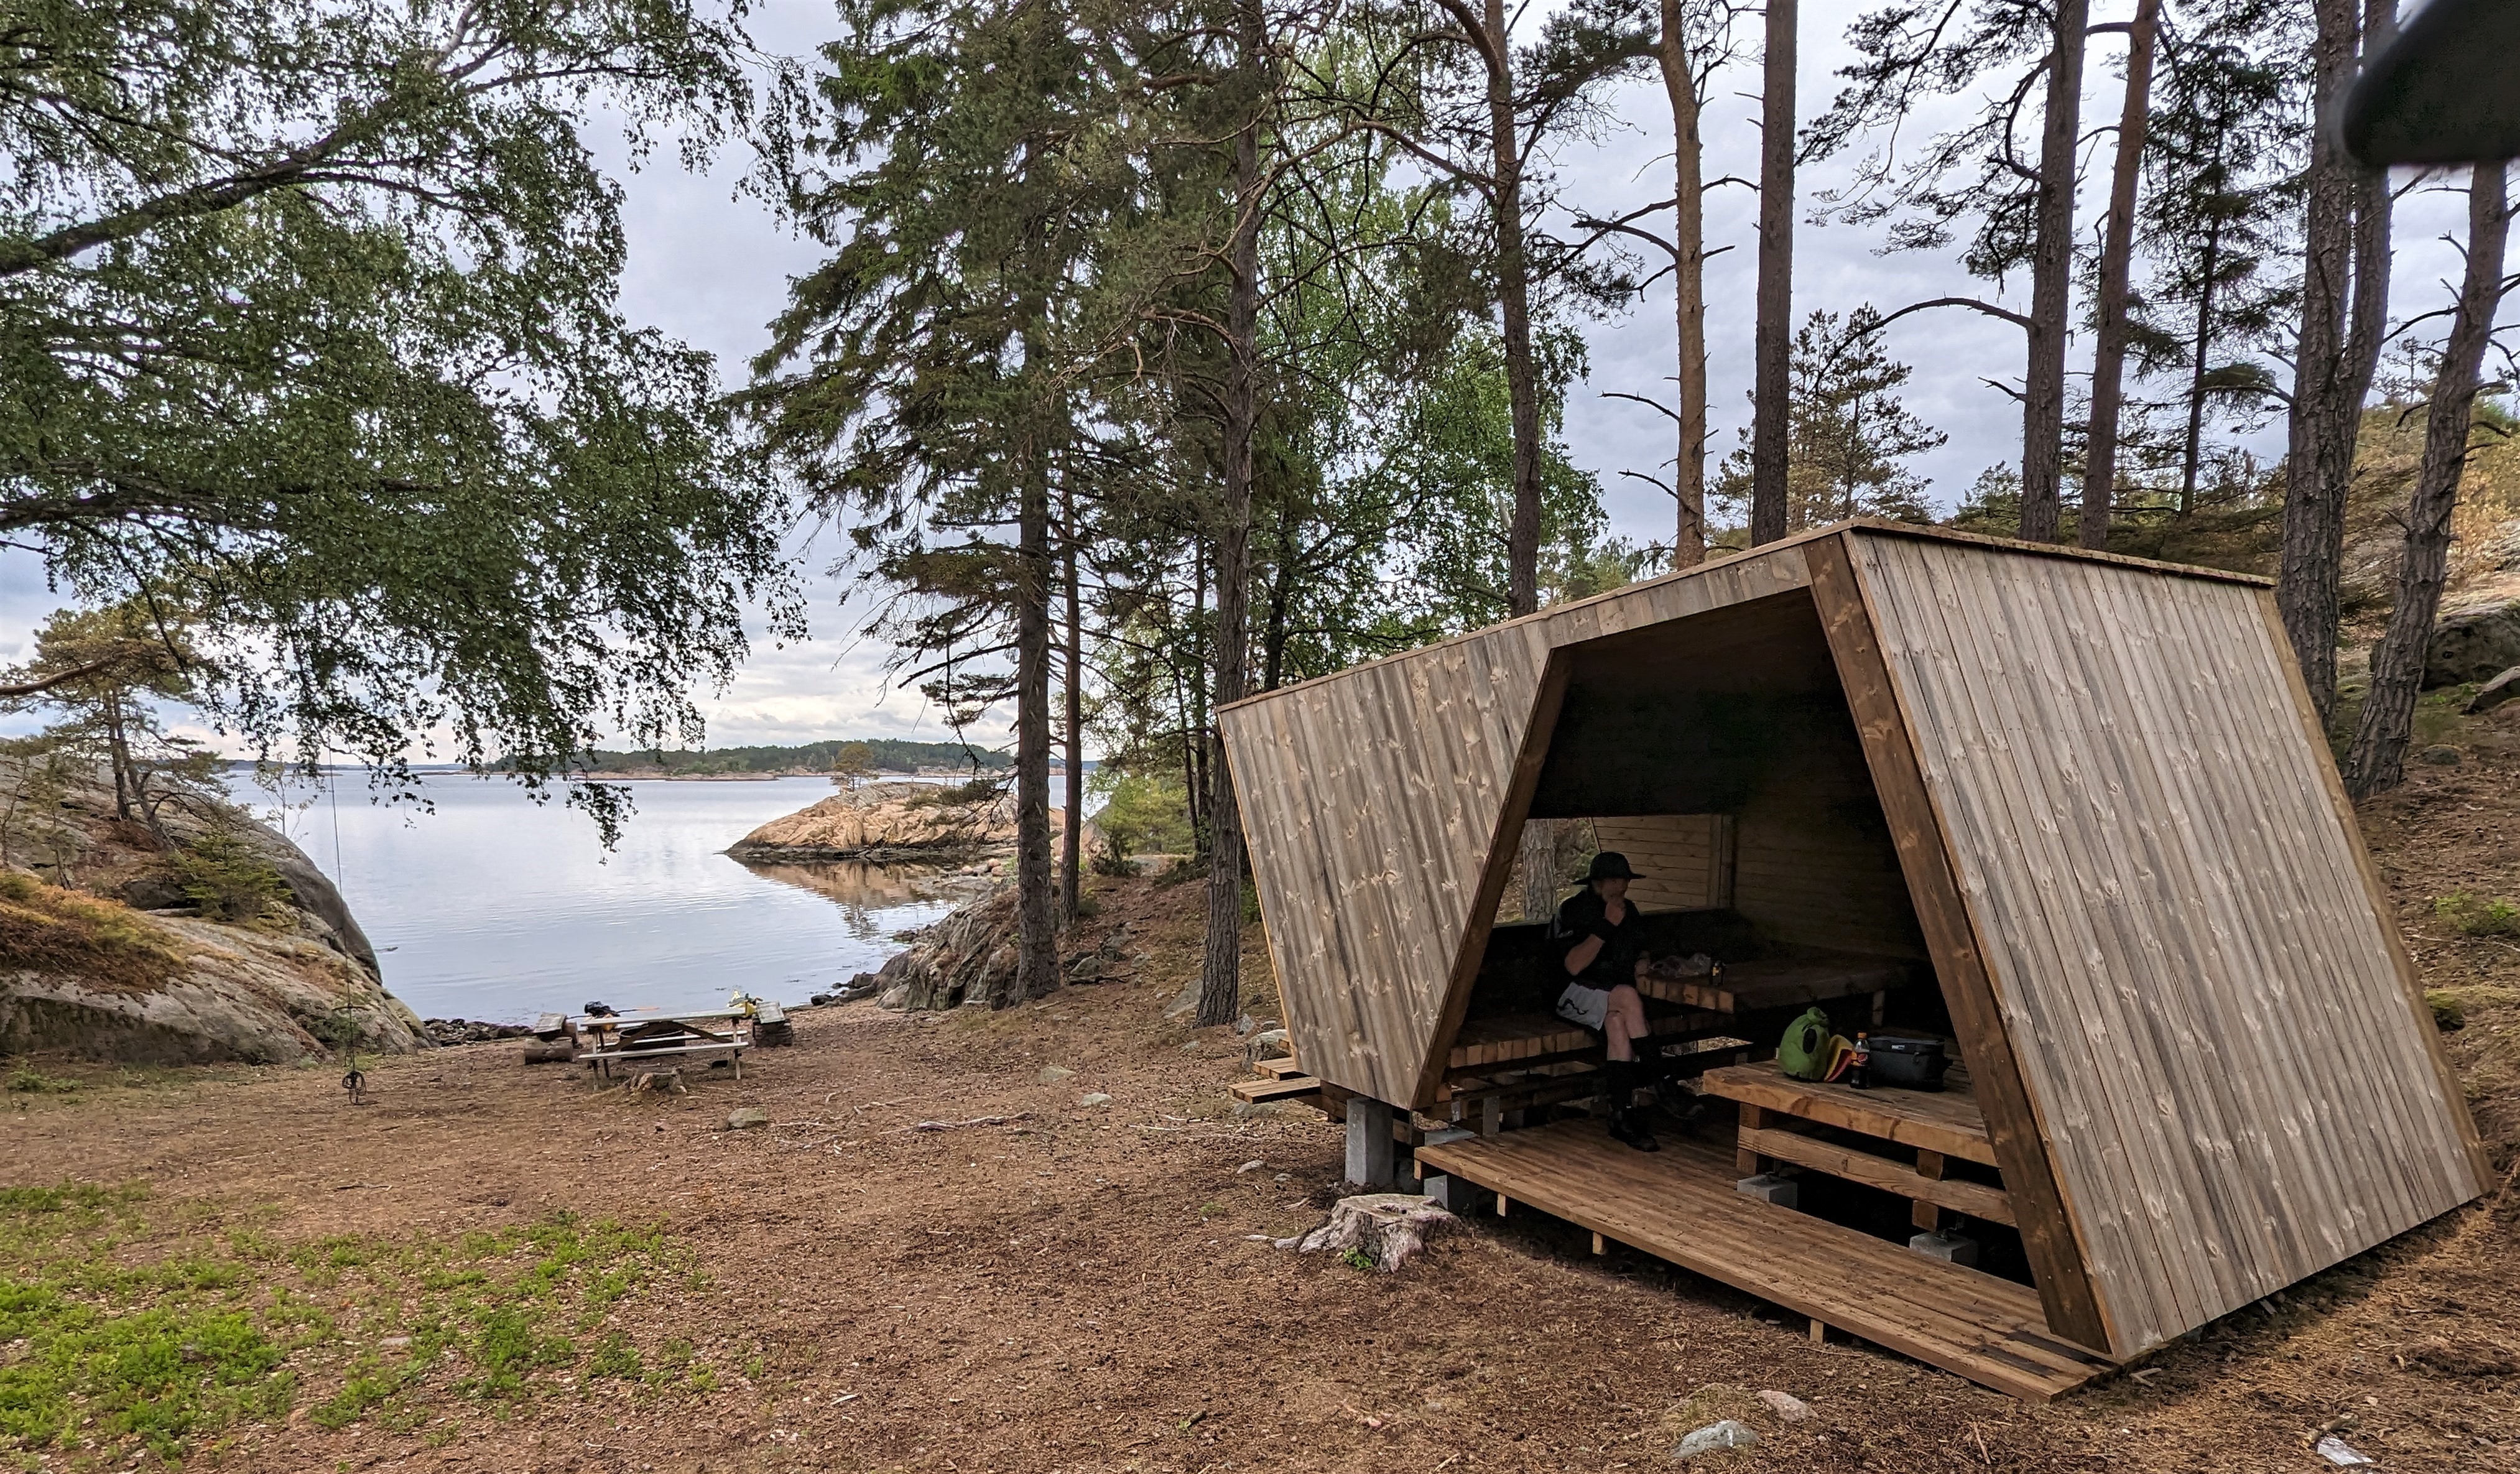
column 1583, row 1005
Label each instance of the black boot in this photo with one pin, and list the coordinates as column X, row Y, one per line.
column 1624, row 1123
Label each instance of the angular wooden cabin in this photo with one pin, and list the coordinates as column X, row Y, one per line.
column 2070, row 812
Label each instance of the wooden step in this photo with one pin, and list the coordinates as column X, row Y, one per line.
column 1293, row 1087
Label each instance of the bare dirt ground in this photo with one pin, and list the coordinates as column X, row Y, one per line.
column 934, row 1258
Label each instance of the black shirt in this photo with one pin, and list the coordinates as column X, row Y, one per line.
column 1583, row 916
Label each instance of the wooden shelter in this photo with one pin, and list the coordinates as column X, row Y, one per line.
column 2068, row 811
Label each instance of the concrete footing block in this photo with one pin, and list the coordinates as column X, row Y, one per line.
column 1455, row 1194
column 1369, row 1157
column 1768, row 1186
column 1951, row 1248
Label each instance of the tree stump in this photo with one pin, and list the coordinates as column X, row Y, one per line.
column 1388, row 1228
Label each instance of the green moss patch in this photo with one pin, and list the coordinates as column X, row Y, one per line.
column 129, row 1322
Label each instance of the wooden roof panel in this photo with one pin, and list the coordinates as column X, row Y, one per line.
column 2200, row 987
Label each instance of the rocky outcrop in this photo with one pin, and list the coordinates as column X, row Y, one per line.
column 889, row 822
column 119, row 963
column 956, row 961
column 2473, row 645
column 93, row 978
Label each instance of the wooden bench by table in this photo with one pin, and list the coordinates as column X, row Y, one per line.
column 1935, row 1126
column 1516, row 1061
column 1532, row 1038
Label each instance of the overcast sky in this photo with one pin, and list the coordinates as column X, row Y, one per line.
column 711, row 266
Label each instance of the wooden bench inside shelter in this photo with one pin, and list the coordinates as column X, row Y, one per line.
column 1901, row 1142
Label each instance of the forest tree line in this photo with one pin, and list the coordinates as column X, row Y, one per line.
column 1167, row 354
column 1157, row 354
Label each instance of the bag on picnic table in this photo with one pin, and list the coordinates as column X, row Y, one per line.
column 1810, row 1051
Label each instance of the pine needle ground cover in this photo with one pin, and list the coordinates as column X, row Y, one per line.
column 132, row 1324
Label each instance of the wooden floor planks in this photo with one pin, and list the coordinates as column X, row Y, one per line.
column 1680, row 1205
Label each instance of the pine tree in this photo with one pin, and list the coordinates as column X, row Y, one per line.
column 2003, row 53
column 1848, row 435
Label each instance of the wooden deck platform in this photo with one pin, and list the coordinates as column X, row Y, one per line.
column 1680, row 1205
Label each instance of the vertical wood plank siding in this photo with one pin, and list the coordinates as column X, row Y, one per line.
column 1684, row 862
column 2202, row 989
column 1374, row 801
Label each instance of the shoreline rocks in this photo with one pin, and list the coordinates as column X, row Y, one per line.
column 455, row 1031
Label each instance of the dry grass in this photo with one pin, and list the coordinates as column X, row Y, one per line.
column 45, row 928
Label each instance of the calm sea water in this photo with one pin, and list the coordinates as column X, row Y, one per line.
column 495, row 908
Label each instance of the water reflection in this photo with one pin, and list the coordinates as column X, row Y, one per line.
column 872, row 895
column 493, row 907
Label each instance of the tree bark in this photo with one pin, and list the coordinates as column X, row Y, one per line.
column 1771, row 353
column 2193, row 452
column 1688, row 270
column 1220, row 992
column 2051, row 277
column 2315, row 484
column 1514, row 293
column 2377, row 759
column 2117, row 255
column 2367, row 322
column 1036, row 921
column 1071, row 841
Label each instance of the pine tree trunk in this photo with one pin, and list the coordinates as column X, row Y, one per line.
column 2117, row 256
column 2377, row 759
column 1220, row 992
column 1071, row 842
column 2315, row 484
column 2052, row 276
column 118, row 755
column 2367, row 321
column 1688, row 268
column 2193, row 452
column 1513, row 295
column 1036, row 916
column 1771, row 353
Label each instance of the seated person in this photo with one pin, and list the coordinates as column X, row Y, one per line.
column 1598, row 945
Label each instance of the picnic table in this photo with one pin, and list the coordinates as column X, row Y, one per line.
column 610, row 1038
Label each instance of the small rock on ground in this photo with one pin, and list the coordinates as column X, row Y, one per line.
column 1095, row 1097
column 745, row 1118
column 1785, row 1406
column 1052, row 1074
column 1727, row 1434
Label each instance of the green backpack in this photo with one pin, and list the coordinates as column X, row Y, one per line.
column 1804, row 1051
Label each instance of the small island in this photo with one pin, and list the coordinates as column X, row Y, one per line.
column 891, row 821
